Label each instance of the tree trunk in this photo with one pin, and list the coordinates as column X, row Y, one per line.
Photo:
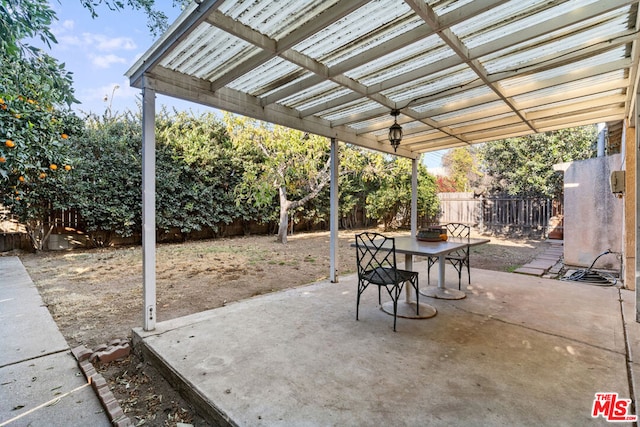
column 284, row 215
column 38, row 233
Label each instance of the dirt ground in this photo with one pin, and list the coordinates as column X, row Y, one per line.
column 96, row 295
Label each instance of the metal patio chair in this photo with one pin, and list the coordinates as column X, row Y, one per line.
column 460, row 258
column 376, row 260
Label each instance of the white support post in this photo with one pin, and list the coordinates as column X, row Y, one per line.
column 414, row 196
column 149, row 206
column 333, row 220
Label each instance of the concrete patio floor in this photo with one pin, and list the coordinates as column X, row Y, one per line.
column 518, row 350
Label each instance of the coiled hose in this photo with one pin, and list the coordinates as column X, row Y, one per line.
column 592, row 277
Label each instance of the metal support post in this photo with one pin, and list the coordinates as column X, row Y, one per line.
column 149, row 207
column 333, row 251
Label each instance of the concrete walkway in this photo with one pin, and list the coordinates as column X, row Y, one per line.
column 40, row 381
column 518, row 350
column 548, row 263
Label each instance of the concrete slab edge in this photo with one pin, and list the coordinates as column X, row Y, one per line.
column 204, row 406
column 630, row 371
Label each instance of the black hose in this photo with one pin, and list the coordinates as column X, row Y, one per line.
column 592, row 277
column 608, row 251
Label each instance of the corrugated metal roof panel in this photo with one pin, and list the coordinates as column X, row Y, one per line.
column 208, row 55
column 275, row 19
column 351, row 109
column 469, row 69
column 511, row 17
column 323, row 92
column 410, row 93
column 360, row 30
column 268, row 76
column 451, row 101
column 412, row 57
column 568, row 69
column 575, row 38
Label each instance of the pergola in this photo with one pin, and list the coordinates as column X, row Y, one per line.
column 453, row 73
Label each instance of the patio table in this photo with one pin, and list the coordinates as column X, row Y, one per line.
column 410, row 246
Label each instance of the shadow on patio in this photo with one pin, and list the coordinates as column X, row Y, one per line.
column 518, row 350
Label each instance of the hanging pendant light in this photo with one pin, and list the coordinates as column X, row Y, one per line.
column 395, row 131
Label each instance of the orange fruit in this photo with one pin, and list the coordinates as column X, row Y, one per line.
column 3, row 106
column 67, row 167
column 444, row 237
column 2, row 160
column 64, row 136
column 21, row 178
column 9, row 143
column 43, row 175
column 1, row 101
column 53, row 166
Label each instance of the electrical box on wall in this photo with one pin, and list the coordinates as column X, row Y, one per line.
column 617, row 182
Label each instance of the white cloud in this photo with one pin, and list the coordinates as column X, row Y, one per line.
column 108, row 44
column 105, row 61
column 68, row 24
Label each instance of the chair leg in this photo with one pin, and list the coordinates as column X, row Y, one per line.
column 361, row 289
column 395, row 312
column 417, row 297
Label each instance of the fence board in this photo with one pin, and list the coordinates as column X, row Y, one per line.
column 499, row 213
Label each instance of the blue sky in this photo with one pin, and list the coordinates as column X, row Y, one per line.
column 99, row 51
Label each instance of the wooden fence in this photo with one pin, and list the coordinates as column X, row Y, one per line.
column 500, row 214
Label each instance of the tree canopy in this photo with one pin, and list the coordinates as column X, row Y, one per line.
column 210, row 172
column 524, row 166
column 461, row 165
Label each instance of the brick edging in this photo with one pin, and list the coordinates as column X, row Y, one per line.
column 116, row 349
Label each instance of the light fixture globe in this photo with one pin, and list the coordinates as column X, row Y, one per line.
column 395, row 131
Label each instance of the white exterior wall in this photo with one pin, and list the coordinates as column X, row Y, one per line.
column 593, row 215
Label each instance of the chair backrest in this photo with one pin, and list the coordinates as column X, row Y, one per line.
column 456, row 229
column 463, row 231
column 374, row 250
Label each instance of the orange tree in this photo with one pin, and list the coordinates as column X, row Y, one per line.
column 35, row 121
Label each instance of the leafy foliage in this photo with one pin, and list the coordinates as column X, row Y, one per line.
column 107, row 177
column 524, row 166
column 462, row 167
column 444, row 184
column 391, row 202
column 290, row 165
column 197, row 173
column 157, row 21
column 24, row 19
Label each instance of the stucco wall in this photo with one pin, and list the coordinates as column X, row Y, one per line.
column 593, row 215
